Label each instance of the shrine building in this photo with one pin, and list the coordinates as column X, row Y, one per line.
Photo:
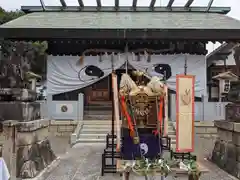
column 86, row 42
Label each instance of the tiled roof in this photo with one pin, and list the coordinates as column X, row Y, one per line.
column 224, row 48
column 124, row 20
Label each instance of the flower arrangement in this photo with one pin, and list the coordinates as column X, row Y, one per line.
column 146, row 167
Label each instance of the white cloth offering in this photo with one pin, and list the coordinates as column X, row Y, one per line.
column 4, row 173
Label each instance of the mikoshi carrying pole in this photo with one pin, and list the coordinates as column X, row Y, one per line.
column 116, row 110
column 165, row 121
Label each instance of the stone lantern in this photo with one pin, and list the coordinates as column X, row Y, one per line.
column 227, row 145
column 225, row 79
column 32, row 78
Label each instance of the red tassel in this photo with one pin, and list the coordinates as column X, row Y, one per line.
column 126, row 114
column 160, row 117
column 155, row 132
column 160, row 113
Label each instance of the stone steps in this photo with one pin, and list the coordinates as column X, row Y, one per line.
column 97, row 116
column 82, row 140
column 97, row 122
column 95, row 131
column 98, row 108
column 97, row 112
column 172, row 136
column 87, row 140
column 93, row 136
column 101, row 111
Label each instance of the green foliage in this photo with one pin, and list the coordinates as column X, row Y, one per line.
column 40, row 61
column 6, row 16
column 36, row 51
column 33, row 52
column 193, row 169
column 145, row 167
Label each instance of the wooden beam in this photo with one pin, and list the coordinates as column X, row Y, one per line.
column 43, row 5
column 209, row 5
column 99, row 4
column 170, row 3
column 152, row 3
column 116, row 4
column 188, row 3
column 134, row 4
column 63, row 3
column 30, row 9
column 80, row 2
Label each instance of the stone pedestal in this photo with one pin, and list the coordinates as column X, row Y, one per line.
column 26, row 148
column 34, row 151
column 17, row 94
column 8, row 142
column 226, row 153
column 233, row 112
column 20, row 111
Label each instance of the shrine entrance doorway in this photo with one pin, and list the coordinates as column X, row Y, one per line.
column 99, row 92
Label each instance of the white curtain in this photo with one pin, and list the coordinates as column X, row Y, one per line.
column 64, row 73
column 195, row 66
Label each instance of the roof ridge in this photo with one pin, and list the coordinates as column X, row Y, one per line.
column 220, row 10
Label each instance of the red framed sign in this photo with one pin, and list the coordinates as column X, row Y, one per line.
column 185, row 113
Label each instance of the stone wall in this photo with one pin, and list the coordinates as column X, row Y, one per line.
column 62, row 128
column 2, row 139
column 26, row 147
column 205, row 137
column 226, row 153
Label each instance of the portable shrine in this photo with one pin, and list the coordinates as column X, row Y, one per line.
column 142, row 114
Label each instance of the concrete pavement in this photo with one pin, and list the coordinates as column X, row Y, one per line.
column 83, row 162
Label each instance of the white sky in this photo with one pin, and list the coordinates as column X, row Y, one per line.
column 235, row 12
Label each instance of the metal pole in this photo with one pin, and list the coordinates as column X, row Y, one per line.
column 203, row 106
column 185, row 65
column 112, row 63
column 162, row 128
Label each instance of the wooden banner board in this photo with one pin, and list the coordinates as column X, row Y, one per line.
column 116, row 108
column 185, row 113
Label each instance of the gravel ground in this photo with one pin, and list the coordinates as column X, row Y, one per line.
column 83, row 162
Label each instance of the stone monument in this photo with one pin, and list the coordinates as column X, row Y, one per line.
column 20, row 113
column 226, row 153
column 233, row 109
